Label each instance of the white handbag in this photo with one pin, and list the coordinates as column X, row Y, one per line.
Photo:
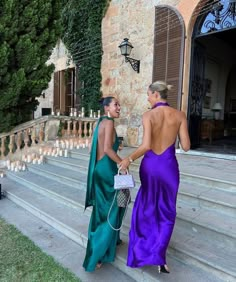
column 123, row 181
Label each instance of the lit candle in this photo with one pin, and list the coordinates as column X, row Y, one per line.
column 66, row 153
column 62, row 144
column 29, row 158
column 99, row 113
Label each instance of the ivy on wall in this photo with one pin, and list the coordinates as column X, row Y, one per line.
column 82, row 36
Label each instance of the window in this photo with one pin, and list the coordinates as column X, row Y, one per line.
column 168, row 52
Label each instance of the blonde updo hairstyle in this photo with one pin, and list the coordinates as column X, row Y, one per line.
column 161, row 87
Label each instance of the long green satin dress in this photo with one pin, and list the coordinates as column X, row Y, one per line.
column 102, row 239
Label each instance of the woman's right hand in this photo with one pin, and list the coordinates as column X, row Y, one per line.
column 124, row 164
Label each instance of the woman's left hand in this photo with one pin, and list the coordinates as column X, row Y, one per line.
column 124, row 164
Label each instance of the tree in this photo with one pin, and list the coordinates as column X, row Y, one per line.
column 29, row 31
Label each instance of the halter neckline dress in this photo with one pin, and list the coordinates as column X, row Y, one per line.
column 154, row 210
column 102, row 239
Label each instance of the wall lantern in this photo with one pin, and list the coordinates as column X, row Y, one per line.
column 216, row 109
column 125, row 49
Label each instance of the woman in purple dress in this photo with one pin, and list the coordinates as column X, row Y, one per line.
column 154, row 211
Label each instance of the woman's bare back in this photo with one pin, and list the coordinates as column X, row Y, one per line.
column 101, row 138
column 165, row 127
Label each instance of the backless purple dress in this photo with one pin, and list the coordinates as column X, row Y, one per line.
column 154, row 211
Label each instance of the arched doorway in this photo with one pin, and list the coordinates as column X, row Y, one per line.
column 211, row 95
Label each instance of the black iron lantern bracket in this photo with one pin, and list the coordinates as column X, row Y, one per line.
column 125, row 48
column 134, row 63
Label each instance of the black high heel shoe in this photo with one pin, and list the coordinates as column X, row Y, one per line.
column 163, row 269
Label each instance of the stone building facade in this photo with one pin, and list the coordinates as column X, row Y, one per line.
column 140, row 21
column 60, row 58
column 182, row 42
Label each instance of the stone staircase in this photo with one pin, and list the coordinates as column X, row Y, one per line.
column 203, row 244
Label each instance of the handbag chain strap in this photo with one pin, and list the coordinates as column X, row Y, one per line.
column 108, row 215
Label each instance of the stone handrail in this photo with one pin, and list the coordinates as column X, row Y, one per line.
column 44, row 129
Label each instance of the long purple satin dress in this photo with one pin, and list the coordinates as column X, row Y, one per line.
column 154, row 211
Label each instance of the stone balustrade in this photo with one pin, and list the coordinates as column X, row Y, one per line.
column 42, row 130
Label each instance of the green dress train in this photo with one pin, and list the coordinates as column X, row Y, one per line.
column 102, row 239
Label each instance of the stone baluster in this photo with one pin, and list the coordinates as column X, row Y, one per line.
column 19, row 140
column 3, row 147
column 90, row 128
column 26, row 138
column 85, row 129
column 11, row 143
column 75, row 128
column 80, row 128
column 62, row 124
column 69, row 127
column 41, row 133
column 33, row 135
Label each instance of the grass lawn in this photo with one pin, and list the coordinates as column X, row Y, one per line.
column 22, row 261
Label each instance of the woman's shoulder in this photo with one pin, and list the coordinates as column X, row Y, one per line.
column 107, row 123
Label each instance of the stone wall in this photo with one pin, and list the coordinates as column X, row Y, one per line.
column 132, row 19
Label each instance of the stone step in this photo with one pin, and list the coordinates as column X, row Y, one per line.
column 60, row 174
column 186, row 213
column 186, row 175
column 196, row 224
column 82, row 154
column 213, row 168
column 74, row 222
column 209, row 197
column 209, row 169
column 213, row 182
column 68, row 163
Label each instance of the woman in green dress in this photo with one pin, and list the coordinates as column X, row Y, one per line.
column 102, row 239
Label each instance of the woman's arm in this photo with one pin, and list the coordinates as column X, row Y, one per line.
column 183, row 134
column 108, row 141
column 144, row 147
